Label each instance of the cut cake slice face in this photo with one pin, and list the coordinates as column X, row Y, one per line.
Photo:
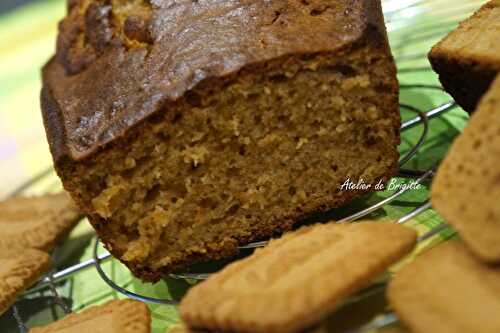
column 468, row 59
column 466, row 189
column 184, row 154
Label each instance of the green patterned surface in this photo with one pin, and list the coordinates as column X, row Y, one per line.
column 27, row 38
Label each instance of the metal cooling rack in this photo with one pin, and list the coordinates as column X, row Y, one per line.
column 396, row 11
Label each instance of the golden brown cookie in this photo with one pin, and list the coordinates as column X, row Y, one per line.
column 466, row 189
column 296, row 280
column 18, row 271
column 36, row 222
column 447, row 290
column 116, row 316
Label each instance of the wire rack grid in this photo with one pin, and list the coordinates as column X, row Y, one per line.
column 396, row 12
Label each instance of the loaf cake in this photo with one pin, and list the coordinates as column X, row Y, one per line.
column 468, row 59
column 466, row 189
column 183, row 129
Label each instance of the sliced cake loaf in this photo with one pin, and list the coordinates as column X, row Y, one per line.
column 468, row 59
column 186, row 128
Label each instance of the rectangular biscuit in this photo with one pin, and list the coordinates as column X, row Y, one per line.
column 36, row 222
column 447, row 290
column 468, row 59
column 18, row 271
column 116, row 316
column 470, row 174
column 296, row 280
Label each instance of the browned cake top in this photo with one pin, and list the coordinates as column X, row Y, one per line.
column 119, row 61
